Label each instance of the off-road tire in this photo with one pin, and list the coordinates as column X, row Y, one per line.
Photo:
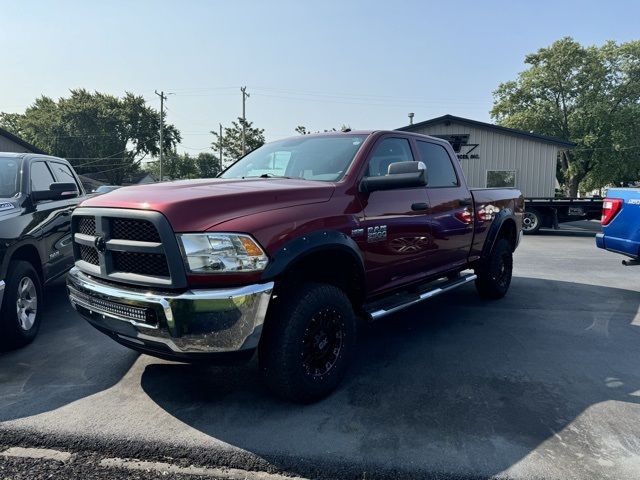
column 284, row 352
column 494, row 274
column 12, row 333
column 531, row 222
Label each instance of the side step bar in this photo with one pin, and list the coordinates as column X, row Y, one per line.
column 379, row 312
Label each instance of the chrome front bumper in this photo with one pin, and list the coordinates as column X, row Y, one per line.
column 173, row 324
column 2, row 285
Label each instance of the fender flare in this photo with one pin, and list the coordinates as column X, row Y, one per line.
column 501, row 217
column 305, row 245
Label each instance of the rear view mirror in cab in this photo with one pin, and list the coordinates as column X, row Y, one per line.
column 399, row 175
column 57, row 191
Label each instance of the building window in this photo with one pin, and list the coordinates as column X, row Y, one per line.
column 501, row 178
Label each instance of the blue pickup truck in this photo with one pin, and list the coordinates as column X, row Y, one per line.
column 621, row 224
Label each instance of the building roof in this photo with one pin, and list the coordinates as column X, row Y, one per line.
column 21, row 142
column 490, row 126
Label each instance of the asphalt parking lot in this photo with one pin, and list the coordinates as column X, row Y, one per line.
column 542, row 384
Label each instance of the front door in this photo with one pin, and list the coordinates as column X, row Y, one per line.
column 395, row 237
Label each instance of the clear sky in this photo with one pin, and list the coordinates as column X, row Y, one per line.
column 319, row 64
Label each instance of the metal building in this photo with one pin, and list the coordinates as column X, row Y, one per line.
column 494, row 156
column 10, row 143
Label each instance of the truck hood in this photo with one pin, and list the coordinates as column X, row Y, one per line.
column 197, row 205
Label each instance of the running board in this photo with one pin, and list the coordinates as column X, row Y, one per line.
column 404, row 301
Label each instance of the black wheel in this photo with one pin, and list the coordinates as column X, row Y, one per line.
column 531, row 221
column 308, row 342
column 494, row 275
column 21, row 306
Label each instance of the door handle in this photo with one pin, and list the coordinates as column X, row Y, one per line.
column 419, row 206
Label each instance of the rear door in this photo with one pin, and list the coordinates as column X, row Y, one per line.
column 395, row 235
column 450, row 212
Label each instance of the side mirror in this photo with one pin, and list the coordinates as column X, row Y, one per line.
column 57, row 191
column 399, row 175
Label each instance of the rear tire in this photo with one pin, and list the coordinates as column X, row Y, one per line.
column 494, row 276
column 531, row 221
column 21, row 308
column 308, row 342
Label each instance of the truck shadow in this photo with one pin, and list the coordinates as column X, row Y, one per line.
column 66, row 362
column 454, row 386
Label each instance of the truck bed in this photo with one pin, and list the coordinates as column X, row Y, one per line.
column 622, row 233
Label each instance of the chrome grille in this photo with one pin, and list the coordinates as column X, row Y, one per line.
column 154, row 264
column 130, row 229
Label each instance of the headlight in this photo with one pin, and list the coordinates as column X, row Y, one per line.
column 222, row 253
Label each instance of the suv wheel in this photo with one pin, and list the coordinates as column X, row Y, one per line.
column 494, row 276
column 308, row 342
column 21, row 306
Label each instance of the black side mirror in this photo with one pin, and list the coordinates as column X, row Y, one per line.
column 57, row 191
column 399, row 175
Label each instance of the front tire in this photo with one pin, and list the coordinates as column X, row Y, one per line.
column 308, row 342
column 21, row 308
column 494, row 276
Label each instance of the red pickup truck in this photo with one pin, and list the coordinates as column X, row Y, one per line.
column 288, row 250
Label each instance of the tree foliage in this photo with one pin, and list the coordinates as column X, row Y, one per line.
column 232, row 140
column 302, row 130
column 589, row 95
column 97, row 132
column 176, row 166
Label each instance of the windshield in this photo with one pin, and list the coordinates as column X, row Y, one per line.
column 9, row 177
column 324, row 158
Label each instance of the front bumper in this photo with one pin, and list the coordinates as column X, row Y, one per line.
column 2, row 285
column 186, row 325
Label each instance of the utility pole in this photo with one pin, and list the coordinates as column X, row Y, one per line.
column 245, row 95
column 220, row 145
column 163, row 97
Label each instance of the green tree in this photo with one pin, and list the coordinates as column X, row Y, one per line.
column 232, row 140
column 207, row 165
column 589, row 95
column 175, row 166
column 302, row 130
column 97, row 132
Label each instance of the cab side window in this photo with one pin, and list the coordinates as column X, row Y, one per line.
column 390, row 150
column 440, row 171
column 41, row 177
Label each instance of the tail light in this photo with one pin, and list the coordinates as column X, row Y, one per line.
column 610, row 208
